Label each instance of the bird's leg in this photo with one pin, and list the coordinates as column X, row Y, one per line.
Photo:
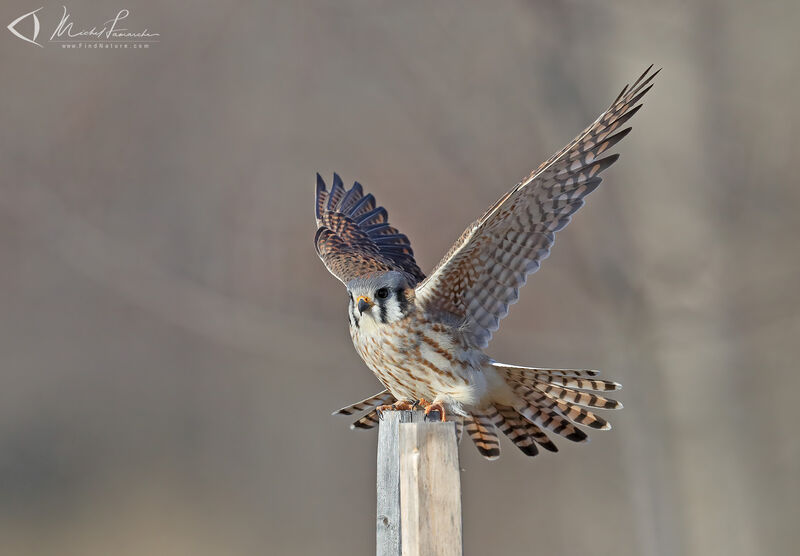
column 399, row 405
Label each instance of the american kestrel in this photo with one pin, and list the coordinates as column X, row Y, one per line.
column 424, row 337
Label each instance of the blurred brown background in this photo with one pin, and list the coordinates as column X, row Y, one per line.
column 171, row 348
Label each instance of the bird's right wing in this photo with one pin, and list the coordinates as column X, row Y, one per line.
column 354, row 237
column 481, row 274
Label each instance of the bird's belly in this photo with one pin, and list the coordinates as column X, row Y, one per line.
column 418, row 364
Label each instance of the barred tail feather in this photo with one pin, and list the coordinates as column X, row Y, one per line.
column 551, row 420
column 515, row 428
column 482, row 432
column 586, row 384
column 539, row 436
column 572, row 412
column 568, row 382
column 518, row 369
column 373, row 401
column 368, row 421
column 579, row 398
column 371, row 419
column 569, row 378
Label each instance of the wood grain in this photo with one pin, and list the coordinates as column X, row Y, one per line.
column 430, row 490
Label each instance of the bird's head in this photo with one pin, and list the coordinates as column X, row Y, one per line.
column 381, row 298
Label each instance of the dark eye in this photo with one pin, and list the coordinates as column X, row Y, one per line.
column 382, row 293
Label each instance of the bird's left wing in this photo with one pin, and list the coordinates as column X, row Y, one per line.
column 354, row 237
column 481, row 274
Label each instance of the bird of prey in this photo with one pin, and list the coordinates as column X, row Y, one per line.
column 424, row 337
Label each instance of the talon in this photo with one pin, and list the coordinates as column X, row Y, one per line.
column 436, row 407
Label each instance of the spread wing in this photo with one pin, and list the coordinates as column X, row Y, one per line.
column 481, row 274
column 354, row 237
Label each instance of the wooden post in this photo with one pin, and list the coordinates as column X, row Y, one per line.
column 388, row 526
column 419, row 486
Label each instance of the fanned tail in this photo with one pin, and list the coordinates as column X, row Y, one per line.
column 549, row 399
column 552, row 400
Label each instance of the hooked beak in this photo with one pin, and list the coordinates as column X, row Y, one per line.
column 363, row 304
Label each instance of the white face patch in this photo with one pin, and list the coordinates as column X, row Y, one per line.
column 369, row 324
column 390, row 308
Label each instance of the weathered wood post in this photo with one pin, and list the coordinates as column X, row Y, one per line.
column 419, row 486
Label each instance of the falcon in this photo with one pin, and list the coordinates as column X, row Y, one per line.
column 424, row 336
